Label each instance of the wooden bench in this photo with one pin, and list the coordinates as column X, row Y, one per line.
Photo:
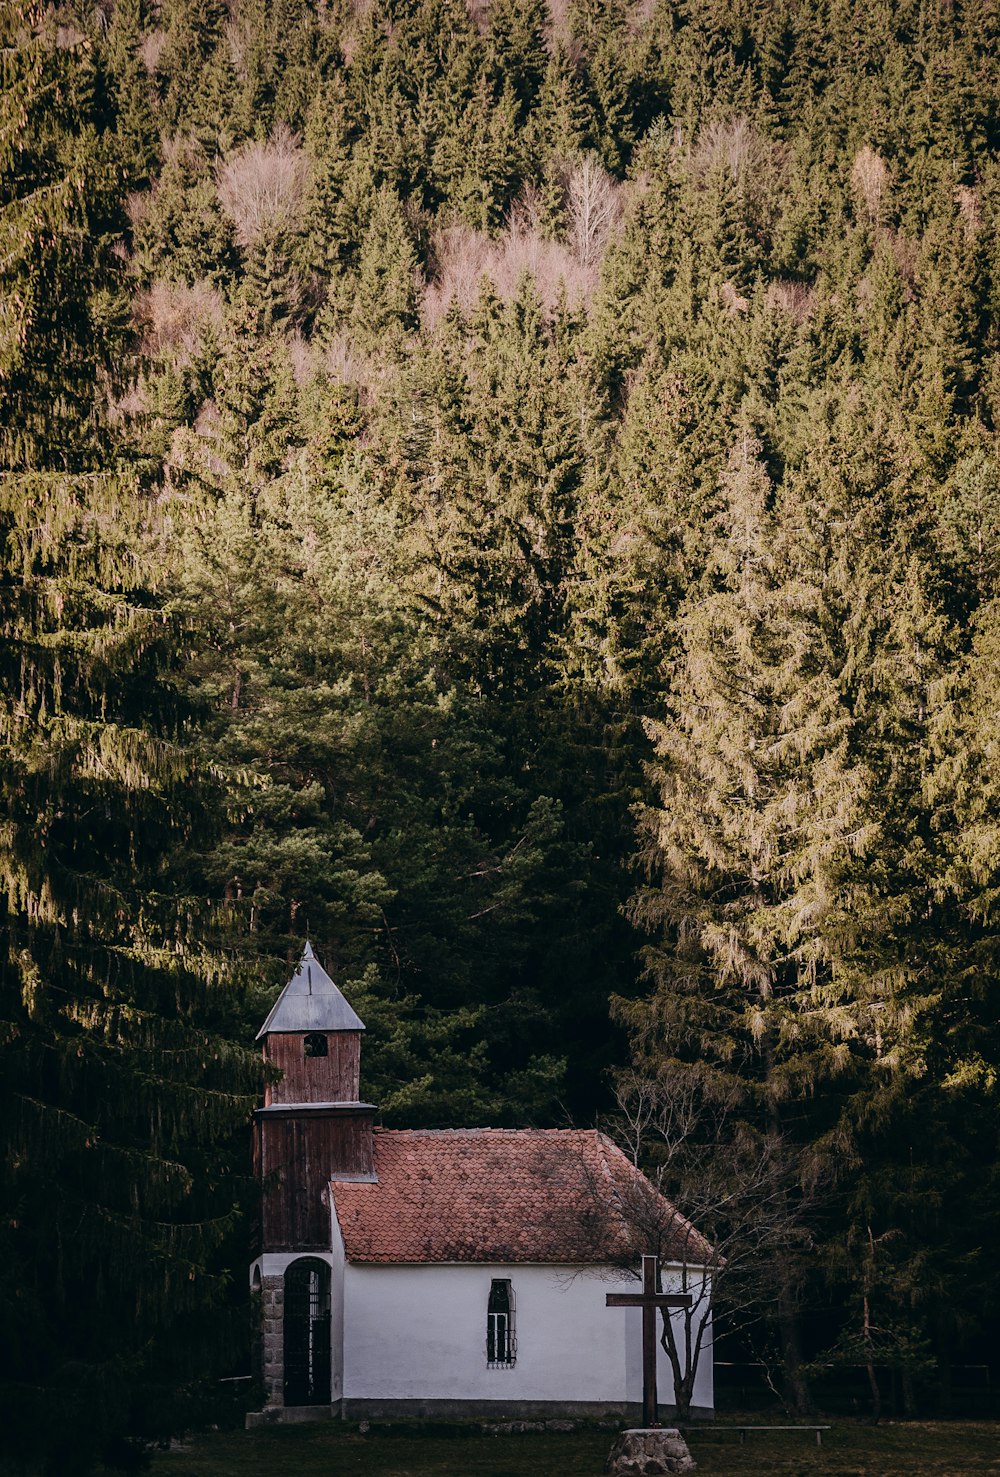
column 742, row 1430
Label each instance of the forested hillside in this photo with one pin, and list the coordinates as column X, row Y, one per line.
column 510, row 491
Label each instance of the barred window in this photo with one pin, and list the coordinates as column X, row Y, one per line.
column 316, row 1044
column 501, row 1344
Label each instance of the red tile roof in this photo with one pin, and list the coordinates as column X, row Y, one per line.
column 507, row 1195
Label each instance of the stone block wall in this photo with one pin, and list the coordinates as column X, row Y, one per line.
column 273, row 1336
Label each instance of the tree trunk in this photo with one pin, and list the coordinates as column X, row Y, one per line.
column 683, row 1370
column 876, row 1393
column 797, row 1392
column 683, row 1395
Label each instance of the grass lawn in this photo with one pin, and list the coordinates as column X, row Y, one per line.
column 915, row 1449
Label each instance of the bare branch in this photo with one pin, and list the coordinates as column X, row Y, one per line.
column 745, row 1208
column 261, row 185
column 593, row 209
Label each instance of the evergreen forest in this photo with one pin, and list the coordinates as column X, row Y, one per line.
column 508, row 490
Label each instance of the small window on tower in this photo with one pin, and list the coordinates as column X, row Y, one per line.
column 501, row 1345
column 316, row 1044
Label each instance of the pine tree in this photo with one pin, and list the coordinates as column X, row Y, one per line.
column 562, row 122
column 59, row 220
column 135, row 124
column 518, row 58
column 381, row 301
column 378, row 823
column 195, row 73
column 332, row 227
column 123, row 1093
column 476, row 165
column 182, row 233
column 769, row 982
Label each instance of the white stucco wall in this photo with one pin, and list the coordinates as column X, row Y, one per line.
column 276, row 1263
column 704, row 1385
column 337, row 1312
column 419, row 1333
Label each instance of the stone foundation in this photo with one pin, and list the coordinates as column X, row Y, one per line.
column 618, row 1411
column 649, row 1453
column 288, row 1415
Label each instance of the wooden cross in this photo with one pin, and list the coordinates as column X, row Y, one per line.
column 649, row 1300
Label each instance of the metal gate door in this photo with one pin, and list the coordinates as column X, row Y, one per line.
column 307, row 1332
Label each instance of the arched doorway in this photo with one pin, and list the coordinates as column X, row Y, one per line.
column 307, row 1332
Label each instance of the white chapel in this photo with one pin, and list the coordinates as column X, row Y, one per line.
column 444, row 1273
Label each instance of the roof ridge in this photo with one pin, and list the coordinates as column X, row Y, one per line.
column 488, row 1128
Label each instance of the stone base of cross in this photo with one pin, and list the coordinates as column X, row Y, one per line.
column 649, row 1300
column 660, row 1450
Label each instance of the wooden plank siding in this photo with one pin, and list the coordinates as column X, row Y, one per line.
column 295, row 1155
column 334, row 1078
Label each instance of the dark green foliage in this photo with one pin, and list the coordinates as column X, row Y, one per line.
column 60, row 215
column 125, row 1087
column 516, row 423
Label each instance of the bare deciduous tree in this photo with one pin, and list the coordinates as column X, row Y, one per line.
column 733, row 299
column 870, row 180
column 732, row 144
column 174, row 316
column 593, row 209
column 463, row 257
column 151, row 49
column 479, row 14
column 743, row 1216
column 793, row 298
column 969, row 210
column 261, row 185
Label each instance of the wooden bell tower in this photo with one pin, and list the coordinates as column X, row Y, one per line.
column 312, row 1126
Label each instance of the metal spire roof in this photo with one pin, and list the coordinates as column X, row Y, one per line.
column 310, row 1002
